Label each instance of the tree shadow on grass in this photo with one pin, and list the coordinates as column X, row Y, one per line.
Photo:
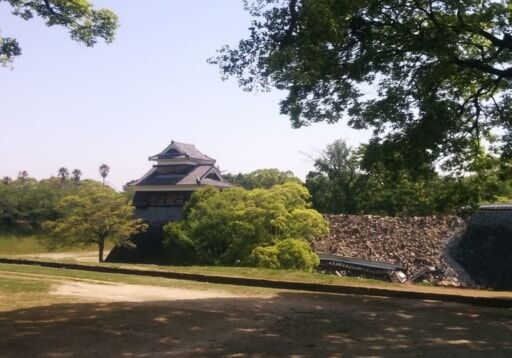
column 289, row 324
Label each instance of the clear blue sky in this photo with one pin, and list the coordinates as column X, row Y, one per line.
column 67, row 105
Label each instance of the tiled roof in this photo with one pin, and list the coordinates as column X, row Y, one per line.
column 216, row 183
column 197, row 173
column 181, row 150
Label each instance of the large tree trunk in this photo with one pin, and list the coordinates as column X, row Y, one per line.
column 101, row 245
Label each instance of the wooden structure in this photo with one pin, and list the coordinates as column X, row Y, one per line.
column 179, row 170
column 160, row 194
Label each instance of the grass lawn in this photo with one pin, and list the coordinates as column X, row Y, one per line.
column 33, row 283
column 11, row 244
column 25, row 246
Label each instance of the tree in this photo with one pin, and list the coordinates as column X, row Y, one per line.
column 336, row 182
column 22, row 175
column 128, row 192
column 104, row 169
column 6, row 180
column 85, row 24
column 262, row 178
column 93, row 216
column 441, row 69
column 63, row 174
column 225, row 227
column 76, row 175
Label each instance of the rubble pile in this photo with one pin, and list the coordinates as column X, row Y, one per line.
column 415, row 243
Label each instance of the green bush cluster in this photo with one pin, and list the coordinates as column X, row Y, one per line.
column 25, row 203
column 262, row 227
column 292, row 254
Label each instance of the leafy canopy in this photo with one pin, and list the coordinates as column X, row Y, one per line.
column 85, row 24
column 225, row 227
column 441, row 70
column 261, row 178
column 94, row 215
column 25, row 203
column 345, row 183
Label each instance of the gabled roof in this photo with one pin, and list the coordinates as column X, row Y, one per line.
column 182, row 150
column 197, row 176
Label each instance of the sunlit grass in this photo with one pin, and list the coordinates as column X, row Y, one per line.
column 49, row 273
column 12, row 244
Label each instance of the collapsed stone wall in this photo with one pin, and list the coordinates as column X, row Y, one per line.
column 411, row 242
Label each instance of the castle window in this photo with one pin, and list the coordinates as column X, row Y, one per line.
column 173, row 169
column 173, row 199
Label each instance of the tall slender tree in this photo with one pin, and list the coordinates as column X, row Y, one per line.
column 76, row 175
column 63, row 174
column 6, row 180
column 104, row 169
column 22, row 175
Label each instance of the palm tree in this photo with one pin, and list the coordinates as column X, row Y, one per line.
column 104, row 170
column 76, row 173
column 6, row 180
column 22, row 175
column 22, row 178
column 63, row 174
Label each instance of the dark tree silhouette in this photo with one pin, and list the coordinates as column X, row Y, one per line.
column 63, row 174
column 76, row 175
column 6, row 180
column 104, row 169
column 22, row 175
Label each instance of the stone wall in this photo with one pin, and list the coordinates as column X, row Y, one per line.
column 411, row 242
column 474, row 253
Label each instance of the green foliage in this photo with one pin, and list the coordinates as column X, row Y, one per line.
column 265, row 256
column 336, row 176
column 289, row 254
column 92, row 216
column 85, row 24
column 25, row 202
column 441, row 69
column 224, row 227
column 261, row 178
column 128, row 192
column 355, row 182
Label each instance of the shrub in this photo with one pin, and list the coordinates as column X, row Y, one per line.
column 267, row 256
column 290, row 254
column 225, row 227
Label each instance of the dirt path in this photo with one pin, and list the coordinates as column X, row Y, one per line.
column 85, row 256
column 108, row 292
column 111, row 320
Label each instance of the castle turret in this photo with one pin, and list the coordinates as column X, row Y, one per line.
column 180, row 169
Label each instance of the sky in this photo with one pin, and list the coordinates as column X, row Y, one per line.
column 63, row 104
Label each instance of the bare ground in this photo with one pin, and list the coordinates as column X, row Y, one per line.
column 85, row 256
column 105, row 320
column 102, row 292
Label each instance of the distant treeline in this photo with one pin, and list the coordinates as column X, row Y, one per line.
column 25, row 203
column 359, row 181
